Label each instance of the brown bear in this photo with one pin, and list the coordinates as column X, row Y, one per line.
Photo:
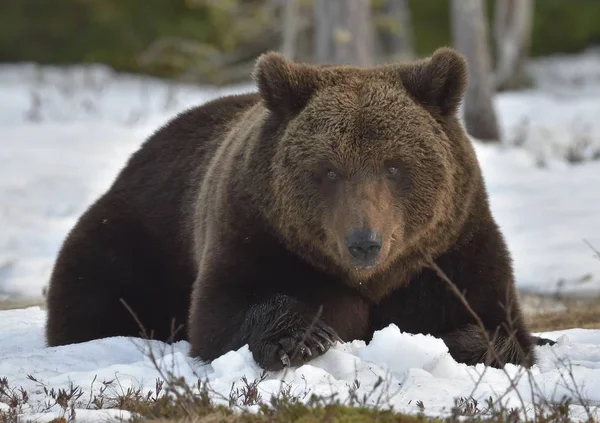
column 335, row 201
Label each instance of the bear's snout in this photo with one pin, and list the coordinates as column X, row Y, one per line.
column 364, row 246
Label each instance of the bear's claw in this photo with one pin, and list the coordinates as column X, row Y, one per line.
column 304, row 350
column 294, row 348
column 285, row 359
column 328, row 335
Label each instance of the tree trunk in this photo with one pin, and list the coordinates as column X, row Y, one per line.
column 395, row 30
column 289, row 21
column 513, row 25
column 344, row 32
column 469, row 31
column 324, row 20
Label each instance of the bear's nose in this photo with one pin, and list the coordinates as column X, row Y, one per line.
column 364, row 245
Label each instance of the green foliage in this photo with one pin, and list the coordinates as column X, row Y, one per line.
column 115, row 32
column 430, row 24
column 118, row 32
column 558, row 26
column 565, row 26
column 110, row 31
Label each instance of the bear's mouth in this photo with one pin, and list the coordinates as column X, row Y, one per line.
column 362, row 265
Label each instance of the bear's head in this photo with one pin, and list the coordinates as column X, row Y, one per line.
column 371, row 165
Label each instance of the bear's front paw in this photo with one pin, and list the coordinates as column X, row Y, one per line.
column 293, row 347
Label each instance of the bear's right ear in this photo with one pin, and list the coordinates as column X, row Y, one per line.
column 285, row 86
column 439, row 81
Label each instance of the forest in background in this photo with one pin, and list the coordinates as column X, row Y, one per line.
column 216, row 41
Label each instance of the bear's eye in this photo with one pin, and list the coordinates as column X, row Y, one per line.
column 331, row 174
column 393, row 169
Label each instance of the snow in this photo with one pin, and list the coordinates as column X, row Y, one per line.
column 546, row 216
column 57, row 158
column 395, row 370
column 64, row 134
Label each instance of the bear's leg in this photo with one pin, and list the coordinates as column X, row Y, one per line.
column 471, row 346
column 468, row 286
column 481, row 271
column 283, row 333
column 287, row 322
column 108, row 258
column 280, row 331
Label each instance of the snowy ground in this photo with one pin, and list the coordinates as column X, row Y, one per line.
column 413, row 368
column 63, row 138
column 64, row 135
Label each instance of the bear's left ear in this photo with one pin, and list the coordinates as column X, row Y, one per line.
column 439, row 81
column 285, row 86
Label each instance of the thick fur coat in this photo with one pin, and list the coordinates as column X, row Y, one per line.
column 309, row 212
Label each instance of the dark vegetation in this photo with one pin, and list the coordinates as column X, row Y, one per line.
column 199, row 39
column 173, row 401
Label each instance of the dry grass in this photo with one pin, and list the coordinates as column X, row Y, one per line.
column 553, row 312
column 210, row 418
column 15, row 304
column 585, row 316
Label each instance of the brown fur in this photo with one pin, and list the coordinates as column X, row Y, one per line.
column 254, row 198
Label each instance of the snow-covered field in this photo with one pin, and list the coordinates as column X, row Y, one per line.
column 412, row 368
column 65, row 134
column 63, row 137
